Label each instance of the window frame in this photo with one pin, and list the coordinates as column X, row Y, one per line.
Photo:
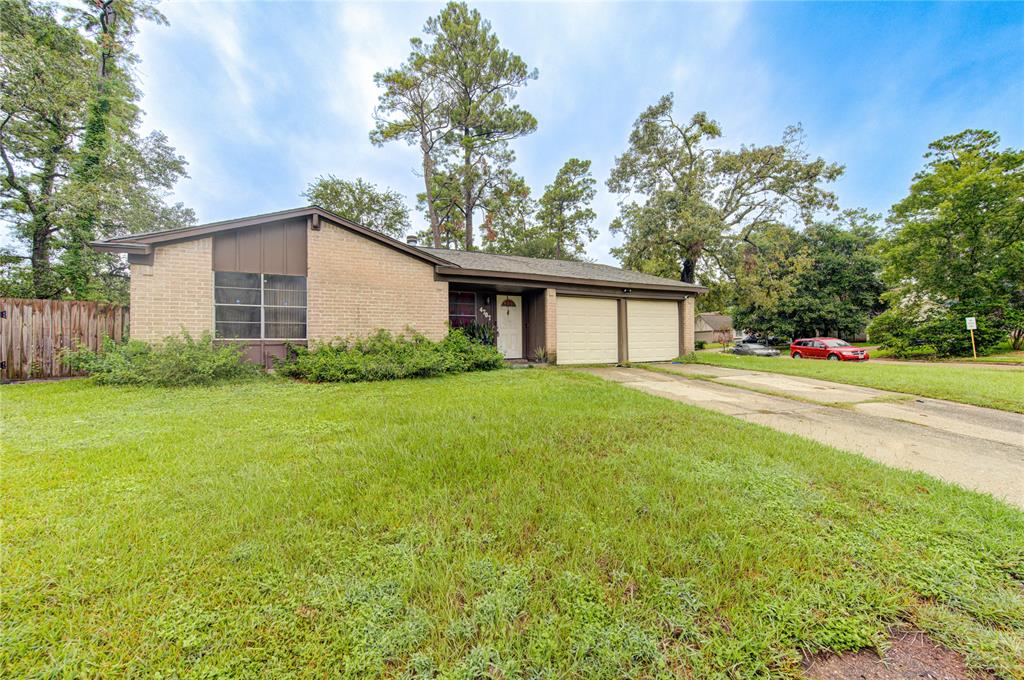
column 262, row 337
column 462, row 316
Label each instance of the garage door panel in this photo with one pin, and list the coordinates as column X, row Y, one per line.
column 652, row 330
column 588, row 330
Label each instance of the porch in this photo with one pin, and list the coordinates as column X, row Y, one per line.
column 515, row 313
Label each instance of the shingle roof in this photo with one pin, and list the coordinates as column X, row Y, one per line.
column 718, row 322
column 537, row 266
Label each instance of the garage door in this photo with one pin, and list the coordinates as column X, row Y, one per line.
column 653, row 329
column 588, row 330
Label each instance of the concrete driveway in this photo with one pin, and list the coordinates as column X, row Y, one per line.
column 978, row 448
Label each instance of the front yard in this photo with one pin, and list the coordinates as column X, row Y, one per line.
column 529, row 523
column 978, row 385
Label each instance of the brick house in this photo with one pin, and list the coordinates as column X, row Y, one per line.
column 308, row 275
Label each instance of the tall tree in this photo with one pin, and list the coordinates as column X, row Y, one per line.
column 483, row 79
column 69, row 176
column 415, row 108
column 824, row 280
column 453, row 96
column 958, row 237
column 565, row 215
column 383, row 210
column 698, row 203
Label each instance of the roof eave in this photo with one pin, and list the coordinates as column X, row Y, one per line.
column 547, row 278
column 121, row 247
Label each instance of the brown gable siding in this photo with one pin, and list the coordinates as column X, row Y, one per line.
column 274, row 248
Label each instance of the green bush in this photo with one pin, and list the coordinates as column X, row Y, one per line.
column 176, row 362
column 939, row 332
column 385, row 357
column 700, row 344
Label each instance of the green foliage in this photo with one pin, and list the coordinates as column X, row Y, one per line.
column 700, row 344
column 698, row 203
column 382, row 210
column 958, row 236
column 824, row 280
column 385, row 357
column 481, row 332
column 452, row 98
column 565, row 218
column 176, row 362
column 76, row 167
column 934, row 331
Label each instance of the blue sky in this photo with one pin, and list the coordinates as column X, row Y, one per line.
column 263, row 97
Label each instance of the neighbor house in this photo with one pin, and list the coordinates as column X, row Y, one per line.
column 714, row 327
column 308, row 275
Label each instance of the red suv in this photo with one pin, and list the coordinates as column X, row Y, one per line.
column 832, row 349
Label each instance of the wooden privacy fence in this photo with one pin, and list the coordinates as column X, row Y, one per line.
column 33, row 334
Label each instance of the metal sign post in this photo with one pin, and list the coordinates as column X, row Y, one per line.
column 972, row 323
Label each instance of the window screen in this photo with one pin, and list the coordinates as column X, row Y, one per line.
column 461, row 308
column 255, row 306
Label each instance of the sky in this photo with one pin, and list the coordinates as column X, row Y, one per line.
column 263, row 97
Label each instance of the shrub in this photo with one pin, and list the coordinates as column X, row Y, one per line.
column 938, row 332
column 176, row 362
column 385, row 357
column 701, row 344
column 481, row 332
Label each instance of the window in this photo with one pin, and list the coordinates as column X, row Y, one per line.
column 461, row 308
column 259, row 306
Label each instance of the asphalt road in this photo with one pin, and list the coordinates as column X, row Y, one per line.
column 978, row 448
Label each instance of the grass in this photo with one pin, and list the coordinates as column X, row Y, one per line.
column 511, row 524
column 991, row 387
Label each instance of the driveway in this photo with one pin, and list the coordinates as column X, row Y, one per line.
column 978, row 448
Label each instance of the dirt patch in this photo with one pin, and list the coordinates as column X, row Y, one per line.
column 911, row 656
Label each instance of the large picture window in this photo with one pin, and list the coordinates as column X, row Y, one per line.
column 259, row 306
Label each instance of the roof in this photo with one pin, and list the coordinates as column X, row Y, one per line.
column 144, row 243
column 448, row 262
column 527, row 267
column 717, row 320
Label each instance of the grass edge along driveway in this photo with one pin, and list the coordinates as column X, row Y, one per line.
column 991, row 387
column 513, row 523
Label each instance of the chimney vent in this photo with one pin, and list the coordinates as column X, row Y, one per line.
column 411, row 239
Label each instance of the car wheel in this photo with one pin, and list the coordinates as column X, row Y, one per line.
column 797, row 355
column 833, row 357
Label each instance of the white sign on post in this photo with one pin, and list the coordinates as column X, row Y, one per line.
column 972, row 323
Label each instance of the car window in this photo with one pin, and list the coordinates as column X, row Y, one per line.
column 801, row 343
column 819, row 345
column 837, row 343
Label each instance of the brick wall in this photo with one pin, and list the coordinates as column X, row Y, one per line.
column 550, row 325
column 357, row 286
column 687, row 323
column 173, row 293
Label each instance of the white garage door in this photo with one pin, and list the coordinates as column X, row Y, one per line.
column 653, row 329
column 588, row 330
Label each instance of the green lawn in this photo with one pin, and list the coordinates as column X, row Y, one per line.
column 992, row 387
column 530, row 523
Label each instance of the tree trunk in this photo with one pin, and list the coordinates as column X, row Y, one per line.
column 428, row 184
column 40, row 259
column 467, row 193
column 688, row 271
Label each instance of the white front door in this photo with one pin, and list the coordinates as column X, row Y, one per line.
column 510, row 326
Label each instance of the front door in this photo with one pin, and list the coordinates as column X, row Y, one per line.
column 510, row 326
